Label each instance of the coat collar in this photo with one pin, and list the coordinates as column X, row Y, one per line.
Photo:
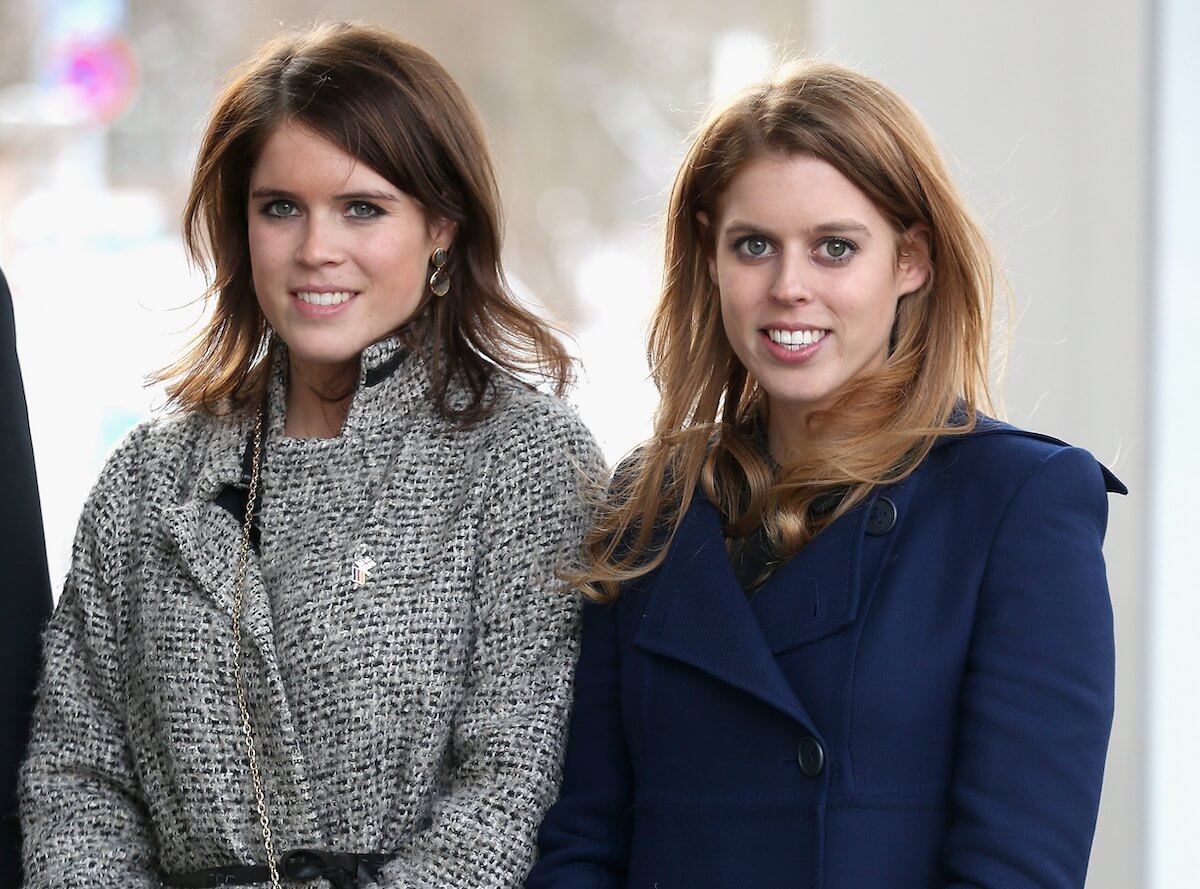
column 393, row 380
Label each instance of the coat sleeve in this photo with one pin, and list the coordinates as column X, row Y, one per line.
column 25, row 602
column 583, row 841
column 1037, row 697
column 510, row 729
column 82, row 812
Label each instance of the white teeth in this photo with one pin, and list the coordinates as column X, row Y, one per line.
column 796, row 339
column 323, row 299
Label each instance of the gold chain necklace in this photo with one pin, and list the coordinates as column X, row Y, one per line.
column 243, row 702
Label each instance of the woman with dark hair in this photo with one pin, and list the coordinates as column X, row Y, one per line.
column 312, row 628
column 855, row 633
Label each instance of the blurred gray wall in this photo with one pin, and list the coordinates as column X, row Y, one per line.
column 1045, row 110
column 1174, row 526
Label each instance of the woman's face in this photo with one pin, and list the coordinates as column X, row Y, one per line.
column 340, row 256
column 809, row 281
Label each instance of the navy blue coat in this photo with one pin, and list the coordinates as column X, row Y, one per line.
column 921, row 698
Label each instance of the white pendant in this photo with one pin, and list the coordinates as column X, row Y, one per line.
column 361, row 572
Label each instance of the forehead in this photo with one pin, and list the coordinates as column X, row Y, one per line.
column 780, row 188
column 295, row 155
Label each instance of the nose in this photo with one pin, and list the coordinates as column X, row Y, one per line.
column 319, row 244
column 792, row 280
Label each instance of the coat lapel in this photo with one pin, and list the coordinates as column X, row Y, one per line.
column 697, row 613
column 208, row 539
column 821, row 590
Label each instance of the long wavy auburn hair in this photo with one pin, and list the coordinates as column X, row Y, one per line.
column 393, row 107
column 710, row 424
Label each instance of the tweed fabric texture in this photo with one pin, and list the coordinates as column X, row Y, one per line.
column 421, row 713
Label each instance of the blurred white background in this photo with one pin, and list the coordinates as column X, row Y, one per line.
column 1071, row 126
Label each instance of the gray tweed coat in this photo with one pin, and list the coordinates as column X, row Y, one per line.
column 421, row 713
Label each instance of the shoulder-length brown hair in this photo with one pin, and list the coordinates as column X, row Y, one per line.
column 712, row 413
column 393, row 107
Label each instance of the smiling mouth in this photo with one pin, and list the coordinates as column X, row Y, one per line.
column 313, row 298
column 794, row 340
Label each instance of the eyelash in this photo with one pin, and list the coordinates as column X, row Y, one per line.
column 739, row 247
column 270, row 209
column 851, row 249
column 375, row 210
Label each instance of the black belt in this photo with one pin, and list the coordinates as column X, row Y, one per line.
column 343, row 870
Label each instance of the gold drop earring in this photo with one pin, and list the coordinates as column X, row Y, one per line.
column 439, row 281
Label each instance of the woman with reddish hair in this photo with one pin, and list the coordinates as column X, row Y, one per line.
column 849, row 631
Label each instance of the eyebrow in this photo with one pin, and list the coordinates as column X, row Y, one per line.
column 833, row 227
column 268, row 191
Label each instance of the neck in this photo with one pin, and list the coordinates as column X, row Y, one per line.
column 786, row 432
column 314, row 409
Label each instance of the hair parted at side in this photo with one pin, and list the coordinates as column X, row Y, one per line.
column 393, row 107
column 711, row 414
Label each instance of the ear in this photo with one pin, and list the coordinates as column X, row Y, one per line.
column 442, row 232
column 914, row 265
column 710, row 253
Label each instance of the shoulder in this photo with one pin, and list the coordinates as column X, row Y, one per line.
column 539, row 469
column 159, row 442
column 1006, row 496
column 161, row 454
column 530, row 426
column 1002, row 453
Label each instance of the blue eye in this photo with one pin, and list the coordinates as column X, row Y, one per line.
column 753, row 246
column 280, row 208
column 837, row 249
column 363, row 210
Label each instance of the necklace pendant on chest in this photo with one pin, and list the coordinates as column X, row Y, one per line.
column 360, row 573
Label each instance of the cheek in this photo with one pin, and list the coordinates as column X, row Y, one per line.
column 888, row 306
column 406, row 268
column 401, row 253
column 734, row 290
column 731, row 314
column 871, row 298
column 264, row 247
column 879, row 320
column 739, row 330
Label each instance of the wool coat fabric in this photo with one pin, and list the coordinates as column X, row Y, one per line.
column 421, row 713
column 24, row 585
column 921, row 698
